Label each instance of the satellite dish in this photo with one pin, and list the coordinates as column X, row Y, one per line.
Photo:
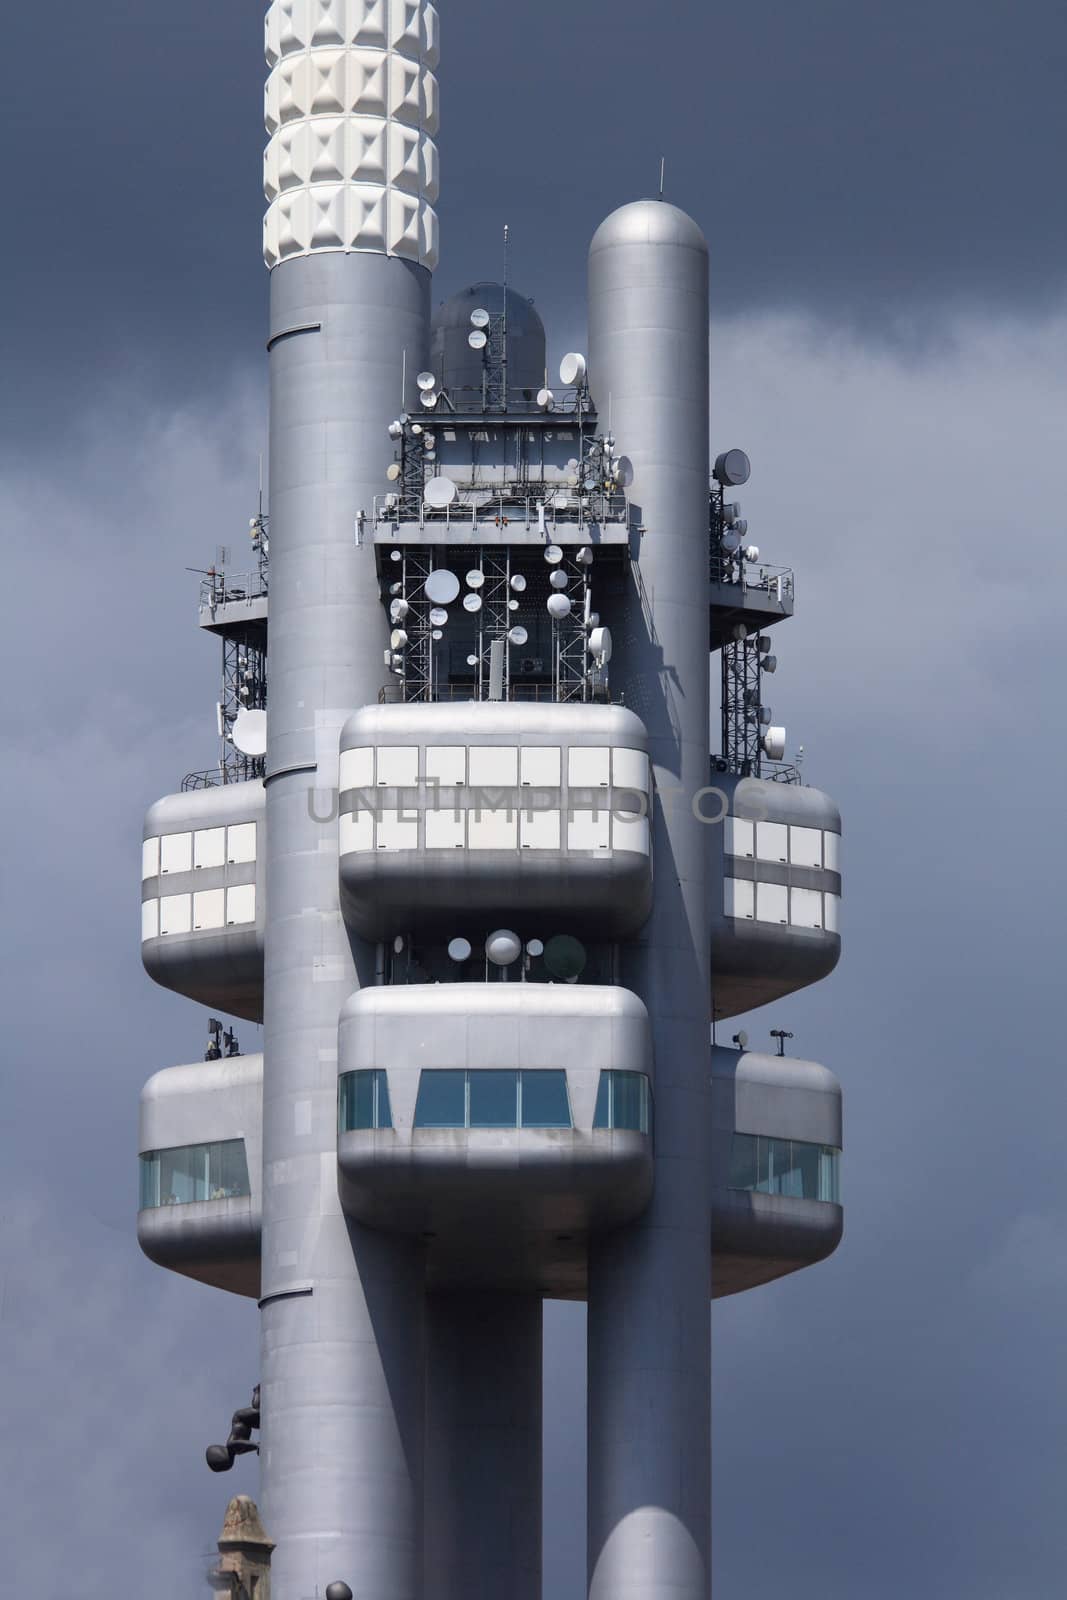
column 584, row 556
column 731, row 542
column 513, row 605
column 398, row 610
column 503, row 947
column 765, row 715
column 740, row 527
column 593, row 619
column 392, row 472
column 732, row 469
column 442, row 587
column 398, row 639
column 739, row 632
column 565, row 957
column 518, row 636
column 438, row 616
column 572, row 370
column 518, row 583
column 459, row 949
column 741, row 1040
column 624, row 475
column 599, row 645
column 752, row 552
column 558, row 579
column 559, row 606
column 395, row 430
column 250, row 732
column 535, row 947
column 773, row 743
column 472, row 661
column 475, row 578
column 472, row 602
column 553, row 555
column 416, row 427
column 396, row 555
column 426, row 380
column 561, row 500
column 479, row 318
column 429, row 398
column 730, row 512
column 770, row 663
column 439, row 493
column 546, row 400
column 477, row 339
column 437, row 634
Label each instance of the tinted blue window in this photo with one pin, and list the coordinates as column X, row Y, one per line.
column 624, row 1102
column 442, row 1099
column 364, row 1101
column 544, row 1100
column 789, row 1167
column 494, row 1099
column 193, row 1172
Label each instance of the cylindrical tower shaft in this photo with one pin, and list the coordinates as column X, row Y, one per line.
column 349, row 236
column 483, row 1446
column 649, row 1284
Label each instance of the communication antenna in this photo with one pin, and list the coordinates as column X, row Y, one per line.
column 504, row 359
column 662, row 175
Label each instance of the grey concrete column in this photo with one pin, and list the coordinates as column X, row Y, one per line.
column 649, row 1284
column 342, row 1353
column 483, row 1447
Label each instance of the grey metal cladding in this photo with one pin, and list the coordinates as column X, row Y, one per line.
column 220, row 807
column 754, row 963
column 761, row 800
column 222, row 969
column 214, row 1241
column 779, row 1096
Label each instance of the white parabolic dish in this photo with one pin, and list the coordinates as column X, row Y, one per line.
column 442, row 587
column 250, row 732
column 439, row 493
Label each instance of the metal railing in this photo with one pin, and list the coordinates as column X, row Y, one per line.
column 770, row 771
column 753, row 577
column 226, row 588
column 394, row 693
column 476, row 507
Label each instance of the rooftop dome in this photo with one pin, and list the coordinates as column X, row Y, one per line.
column 457, row 366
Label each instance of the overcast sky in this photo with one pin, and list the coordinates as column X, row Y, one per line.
column 882, row 190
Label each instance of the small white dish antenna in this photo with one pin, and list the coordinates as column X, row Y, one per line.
column 429, row 398
column 553, row 555
column 740, row 527
column 752, row 552
column 396, row 588
column 773, row 743
column 765, row 715
column 250, row 732
column 395, row 555
column 546, row 400
column 730, row 512
column 731, row 541
column 513, row 605
column 503, row 947
column 475, row 578
column 572, row 369
column 442, row 587
column 472, row 661
column 480, row 318
column 426, row 380
column 559, row 606
column 562, row 500
column 535, row 947
column 416, row 427
column 732, row 469
column 459, row 949
column 398, row 610
column 439, row 493
column 395, row 430
column 398, row 639
column 518, row 583
column 584, row 556
column 624, row 472
column 477, row 339
column 770, row 664
column 518, row 636
column 593, row 619
column 572, row 464
column 558, row 579
column 599, row 645
column 437, row 634
column 438, row 616
column 472, row 602
column 392, row 472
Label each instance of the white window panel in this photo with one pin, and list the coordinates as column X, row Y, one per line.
column 398, row 766
column 398, row 830
column 492, row 830
column 149, row 859
column 772, row 842
column 356, row 832
column 446, row 829
column 589, row 830
column 541, row 830
column 356, row 768
column 209, row 908
column 176, row 913
column 209, row 847
column 739, row 837
column 176, row 852
column 241, row 903
column 149, row 919
column 629, row 770
column 542, row 766
column 494, row 766
column 831, row 843
column 833, row 910
column 772, row 902
column 805, row 908
column 589, row 766
column 241, row 842
column 805, row 847
column 739, row 898
column 446, row 764
column 630, row 833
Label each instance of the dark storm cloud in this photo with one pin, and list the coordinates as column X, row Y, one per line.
column 862, row 160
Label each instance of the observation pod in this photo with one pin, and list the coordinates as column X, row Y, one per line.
column 202, row 901
column 201, row 1159
column 500, row 1122
column 776, row 890
column 450, row 813
column 776, row 1151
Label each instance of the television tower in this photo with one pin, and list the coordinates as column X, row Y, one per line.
column 468, row 858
